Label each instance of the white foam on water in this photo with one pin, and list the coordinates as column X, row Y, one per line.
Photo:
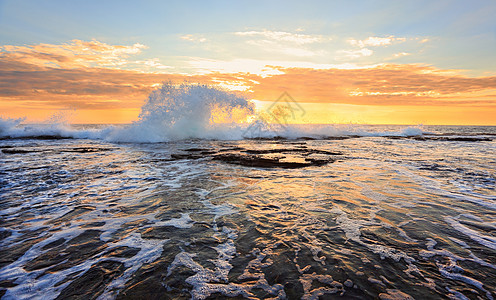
column 351, row 228
column 435, row 186
column 150, row 250
column 29, row 284
column 332, row 286
column 485, row 240
column 459, row 242
column 456, row 295
column 184, row 221
column 451, row 270
column 208, row 281
column 37, row 285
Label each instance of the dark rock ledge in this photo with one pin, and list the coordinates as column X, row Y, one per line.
column 262, row 158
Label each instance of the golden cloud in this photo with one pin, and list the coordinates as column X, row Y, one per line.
column 75, row 54
column 83, row 75
column 386, row 84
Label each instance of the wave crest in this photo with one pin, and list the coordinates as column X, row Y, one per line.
column 186, row 111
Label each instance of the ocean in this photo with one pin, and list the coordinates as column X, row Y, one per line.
column 299, row 212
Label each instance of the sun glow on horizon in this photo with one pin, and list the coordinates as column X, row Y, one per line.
column 340, row 71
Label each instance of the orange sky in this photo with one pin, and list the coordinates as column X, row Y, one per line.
column 87, row 80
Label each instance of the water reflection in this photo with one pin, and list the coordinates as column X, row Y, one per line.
column 390, row 217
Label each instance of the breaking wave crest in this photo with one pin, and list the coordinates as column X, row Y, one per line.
column 188, row 111
column 193, row 111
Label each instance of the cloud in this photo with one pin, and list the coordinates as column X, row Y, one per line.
column 353, row 54
column 153, row 63
column 55, row 76
column 80, row 75
column 281, row 36
column 400, row 54
column 385, row 84
column 286, row 43
column 193, row 38
column 374, row 41
column 75, row 54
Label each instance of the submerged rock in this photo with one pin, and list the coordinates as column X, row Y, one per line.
column 262, row 162
column 453, row 138
column 300, row 156
column 92, row 283
column 12, row 150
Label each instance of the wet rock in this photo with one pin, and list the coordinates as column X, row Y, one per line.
column 4, row 234
column 7, row 284
column 348, row 283
column 85, row 237
column 255, row 157
column 303, row 151
column 186, row 156
column 150, row 288
column 276, row 138
column 85, row 149
column 200, row 150
column 176, row 282
column 339, row 138
column 10, row 255
column 229, row 149
column 162, row 232
column 72, row 253
column 54, row 244
column 151, row 280
column 262, row 162
column 123, row 252
column 282, row 270
column 92, row 283
column 18, row 151
column 453, row 139
column 197, row 230
column 12, row 150
column 35, row 137
column 93, row 224
column 76, row 212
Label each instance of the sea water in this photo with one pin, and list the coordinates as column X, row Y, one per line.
column 147, row 211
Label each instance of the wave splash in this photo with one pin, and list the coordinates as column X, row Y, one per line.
column 188, row 111
column 192, row 111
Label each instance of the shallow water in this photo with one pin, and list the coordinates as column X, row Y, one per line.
column 391, row 216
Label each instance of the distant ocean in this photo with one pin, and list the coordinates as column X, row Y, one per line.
column 172, row 207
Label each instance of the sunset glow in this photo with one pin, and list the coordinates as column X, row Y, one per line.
column 409, row 69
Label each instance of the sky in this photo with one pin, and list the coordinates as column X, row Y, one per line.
column 371, row 62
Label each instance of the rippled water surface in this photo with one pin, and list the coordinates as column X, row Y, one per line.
column 387, row 217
